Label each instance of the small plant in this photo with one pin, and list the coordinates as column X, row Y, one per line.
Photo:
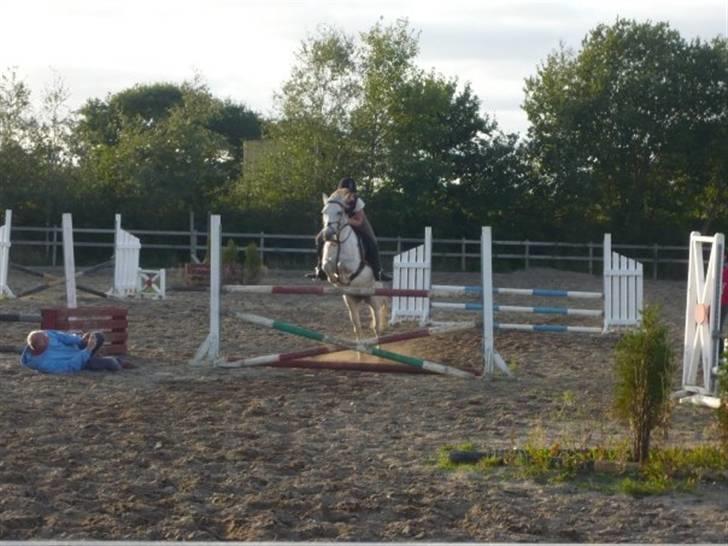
column 644, row 368
column 602, row 468
column 231, row 268
column 722, row 411
column 230, row 253
column 253, row 264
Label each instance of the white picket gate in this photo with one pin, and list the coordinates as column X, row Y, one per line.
column 413, row 269
column 126, row 261
column 129, row 279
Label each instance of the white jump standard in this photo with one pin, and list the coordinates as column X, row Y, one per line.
column 702, row 322
column 5, row 255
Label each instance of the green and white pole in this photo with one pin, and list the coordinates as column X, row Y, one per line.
column 353, row 345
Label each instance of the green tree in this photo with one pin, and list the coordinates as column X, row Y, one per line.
column 363, row 108
column 36, row 166
column 309, row 139
column 158, row 151
column 615, row 128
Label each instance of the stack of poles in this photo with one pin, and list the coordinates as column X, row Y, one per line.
column 17, row 317
column 209, row 351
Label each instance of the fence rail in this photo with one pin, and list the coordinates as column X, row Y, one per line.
column 454, row 254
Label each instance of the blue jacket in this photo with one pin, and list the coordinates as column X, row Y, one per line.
column 63, row 354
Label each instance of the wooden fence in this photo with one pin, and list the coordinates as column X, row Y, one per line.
column 449, row 254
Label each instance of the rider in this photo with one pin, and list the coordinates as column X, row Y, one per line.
column 357, row 220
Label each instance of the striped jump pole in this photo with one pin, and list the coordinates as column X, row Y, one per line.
column 326, row 290
column 352, row 345
column 546, row 293
column 550, row 328
column 20, row 317
column 317, row 351
column 520, row 309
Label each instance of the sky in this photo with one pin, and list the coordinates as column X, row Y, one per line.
column 245, row 49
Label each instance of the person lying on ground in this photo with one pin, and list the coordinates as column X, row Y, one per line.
column 56, row 352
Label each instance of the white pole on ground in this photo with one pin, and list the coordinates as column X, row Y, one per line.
column 69, row 264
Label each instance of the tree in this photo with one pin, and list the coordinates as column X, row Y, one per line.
column 36, row 167
column 363, row 108
column 158, row 151
column 309, row 142
column 612, row 124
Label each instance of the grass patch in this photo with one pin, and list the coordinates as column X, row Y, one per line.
column 599, row 469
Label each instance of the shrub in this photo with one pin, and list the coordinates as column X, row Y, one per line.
column 644, row 366
column 231, row 267
column 722, row 411
column 253, row 265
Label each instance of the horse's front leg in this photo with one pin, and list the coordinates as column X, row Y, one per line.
column 352, row 305
column 378, row 310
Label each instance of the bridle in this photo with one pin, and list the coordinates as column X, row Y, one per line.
column 339, row 227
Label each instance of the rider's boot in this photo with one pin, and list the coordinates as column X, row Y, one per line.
column 317, row 273
column 376, row 264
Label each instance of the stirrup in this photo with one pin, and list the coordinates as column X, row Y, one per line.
column 317, row 273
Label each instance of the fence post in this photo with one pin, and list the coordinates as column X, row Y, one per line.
column 261, row 246
column 655, row 260
column 55, row 246
column 399, row 245
column 46, row 238
column 462, row 254
column 526, row 253
column 591, row 258
column 193, row 239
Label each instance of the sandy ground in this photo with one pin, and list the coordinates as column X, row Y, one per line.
column 170, row 451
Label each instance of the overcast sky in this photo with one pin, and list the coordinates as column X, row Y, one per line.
column 244, row 49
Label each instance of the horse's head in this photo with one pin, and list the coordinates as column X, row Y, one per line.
column 334, row 213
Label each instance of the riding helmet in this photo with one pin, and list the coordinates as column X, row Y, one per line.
column 348, row 183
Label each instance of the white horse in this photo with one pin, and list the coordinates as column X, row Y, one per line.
column 343, row 262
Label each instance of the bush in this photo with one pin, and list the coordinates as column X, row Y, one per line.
column 722, row 411
column 253, row 265
column 230, row 253
column 644, row 366
column 232, row 270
